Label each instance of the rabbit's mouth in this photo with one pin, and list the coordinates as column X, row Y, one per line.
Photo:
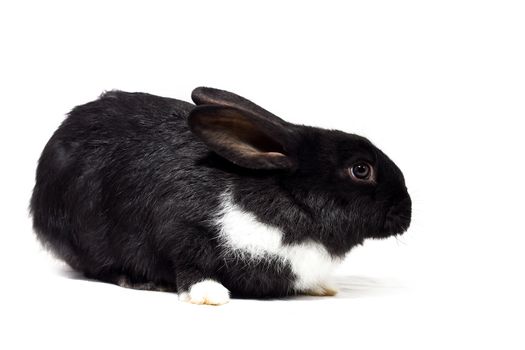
column 397, row 219
column 399, row 216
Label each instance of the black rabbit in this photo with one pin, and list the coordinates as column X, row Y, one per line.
column 223, row 197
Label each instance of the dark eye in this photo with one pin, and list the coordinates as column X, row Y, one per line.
column 362, row 171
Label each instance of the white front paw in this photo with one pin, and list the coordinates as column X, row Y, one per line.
column 207, row 292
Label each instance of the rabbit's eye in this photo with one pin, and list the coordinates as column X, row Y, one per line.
column 362, row 172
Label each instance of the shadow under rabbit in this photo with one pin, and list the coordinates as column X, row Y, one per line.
column 349, row 287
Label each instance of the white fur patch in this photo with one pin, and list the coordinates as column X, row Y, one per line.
column 248, row 238
column 208, row 292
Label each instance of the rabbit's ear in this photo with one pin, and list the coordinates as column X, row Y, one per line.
column 242, row 137
column 211, row 96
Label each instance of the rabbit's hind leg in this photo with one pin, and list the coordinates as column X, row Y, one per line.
column 125, row 282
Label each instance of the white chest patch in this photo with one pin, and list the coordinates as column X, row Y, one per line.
column 248, row 238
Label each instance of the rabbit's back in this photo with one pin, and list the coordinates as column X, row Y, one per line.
column 114, row 177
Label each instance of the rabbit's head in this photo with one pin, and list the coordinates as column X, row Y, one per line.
column 341, row 180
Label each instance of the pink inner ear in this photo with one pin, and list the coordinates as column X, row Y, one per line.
column 236, row 144
column 274, row 154
column 238, row 138
column 239, row 133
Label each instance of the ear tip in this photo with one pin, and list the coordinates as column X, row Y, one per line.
column 198, row 95
column 199, row 89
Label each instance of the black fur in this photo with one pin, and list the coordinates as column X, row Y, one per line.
column 124, row 188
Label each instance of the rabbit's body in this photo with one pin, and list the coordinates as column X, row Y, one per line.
column 127, row 193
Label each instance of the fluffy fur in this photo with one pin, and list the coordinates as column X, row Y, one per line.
column 147, row 190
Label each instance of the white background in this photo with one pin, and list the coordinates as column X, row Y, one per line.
column 439, row 86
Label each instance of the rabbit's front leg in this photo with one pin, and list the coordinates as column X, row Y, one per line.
column 326, row 289
column 194, row 287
